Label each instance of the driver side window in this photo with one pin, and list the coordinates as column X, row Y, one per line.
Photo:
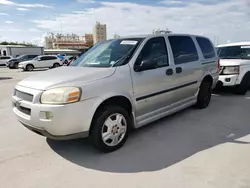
column 154, row 51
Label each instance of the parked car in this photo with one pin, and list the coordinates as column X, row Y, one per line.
column 4, row 59
column 44, row 61
column 13, row 63
column 118, row 85
column 235, row 66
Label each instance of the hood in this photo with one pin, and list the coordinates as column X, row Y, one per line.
column 232, row 62
column 64, row 76
column 13, row 59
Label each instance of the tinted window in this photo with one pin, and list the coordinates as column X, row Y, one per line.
column 31, row 56
column 154, row 50
column 234, row 52
column 206, row 47
column 48, row 58
column 184, row 49
column 4, row 57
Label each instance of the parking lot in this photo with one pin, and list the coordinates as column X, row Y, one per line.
column 193, row 148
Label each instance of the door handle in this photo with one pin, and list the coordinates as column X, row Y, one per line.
column 169, row 71
column 178, row 70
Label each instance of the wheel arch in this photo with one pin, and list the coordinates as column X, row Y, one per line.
column 120, row 100
column 208, row 78
column 29, row 64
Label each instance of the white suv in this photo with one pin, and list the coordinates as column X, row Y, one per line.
column 118, row 85
column 44, row 61
column 235, row 66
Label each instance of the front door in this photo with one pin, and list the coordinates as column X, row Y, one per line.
column 150, row 86
column 42, row 63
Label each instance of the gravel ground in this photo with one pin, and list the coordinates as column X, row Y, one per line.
column 194, row 148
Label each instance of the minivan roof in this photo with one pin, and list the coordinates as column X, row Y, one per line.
column 158, row 35
column 247, row 43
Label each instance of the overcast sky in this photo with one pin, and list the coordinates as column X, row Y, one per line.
column 31, row 20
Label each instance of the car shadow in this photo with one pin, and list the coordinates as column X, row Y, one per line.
column 5, row 78
column 165, row 142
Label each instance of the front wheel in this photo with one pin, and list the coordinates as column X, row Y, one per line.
column 244, row 85
column 204, row 96
column 29, row 67
column 110, row 128
column 15, row 66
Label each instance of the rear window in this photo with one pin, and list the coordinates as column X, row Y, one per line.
column 184, row 49
column 206, row 47
column 234, row 52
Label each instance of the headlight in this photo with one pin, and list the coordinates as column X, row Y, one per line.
column 63, row 95
column 231, row 70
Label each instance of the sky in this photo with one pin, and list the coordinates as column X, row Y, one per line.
column 222, row 21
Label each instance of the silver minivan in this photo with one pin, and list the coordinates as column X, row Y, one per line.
column 118, row 85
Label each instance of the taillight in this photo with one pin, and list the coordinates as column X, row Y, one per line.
column 218, row 68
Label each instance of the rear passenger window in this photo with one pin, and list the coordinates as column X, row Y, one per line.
column 184, row 49
column 53, row 57
column 206, row 47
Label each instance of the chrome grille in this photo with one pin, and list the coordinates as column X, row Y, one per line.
column 24, row 96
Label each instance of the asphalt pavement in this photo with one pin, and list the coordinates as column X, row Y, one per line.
column 207, row 148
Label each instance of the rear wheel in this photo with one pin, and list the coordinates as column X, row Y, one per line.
column 110, row 128
column 29, row 67
column 204, row 96
column 244, row 85
column 56, row 65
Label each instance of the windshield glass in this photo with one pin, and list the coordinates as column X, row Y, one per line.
column 108, row 53
column 234, row 52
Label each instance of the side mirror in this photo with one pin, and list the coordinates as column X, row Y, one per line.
column 146, row 65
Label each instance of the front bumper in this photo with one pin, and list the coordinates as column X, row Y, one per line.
column 228, row 80
column 21, row 66
column 68, row 121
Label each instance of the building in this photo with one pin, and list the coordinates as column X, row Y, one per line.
column 88, row 38
column 99, row 32
column 68, row 41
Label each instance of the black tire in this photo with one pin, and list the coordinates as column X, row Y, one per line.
column 15, row 66
column 56, row 65
column 244, row 85
column 97, row 127
column 29, row 68
column 204, row 95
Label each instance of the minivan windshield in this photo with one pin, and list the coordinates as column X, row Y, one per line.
column 108, row 53
column 234, row 52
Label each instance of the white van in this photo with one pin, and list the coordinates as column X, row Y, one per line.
column 235, row 66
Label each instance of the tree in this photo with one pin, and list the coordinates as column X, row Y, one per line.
column 17, row 43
